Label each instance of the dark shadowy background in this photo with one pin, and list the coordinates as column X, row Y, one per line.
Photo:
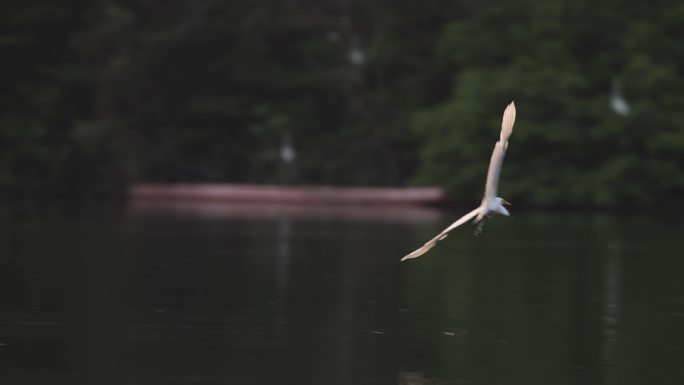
column 95, row 95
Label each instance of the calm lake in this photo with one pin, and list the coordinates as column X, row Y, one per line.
column 262, row 295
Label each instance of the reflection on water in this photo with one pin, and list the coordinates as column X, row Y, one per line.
column 282, row 272
column 611, row 314
column 154, row 296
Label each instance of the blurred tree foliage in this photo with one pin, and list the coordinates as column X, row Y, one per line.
column 557, row 59
column 101, row 93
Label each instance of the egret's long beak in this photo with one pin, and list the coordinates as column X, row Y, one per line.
column 506, row 203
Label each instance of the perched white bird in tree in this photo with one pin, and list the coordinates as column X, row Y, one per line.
column 617, row 100
column 491, row 204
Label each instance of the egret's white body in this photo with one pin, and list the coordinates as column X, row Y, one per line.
column 491, row 204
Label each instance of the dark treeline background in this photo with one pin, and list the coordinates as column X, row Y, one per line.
column 97, row 94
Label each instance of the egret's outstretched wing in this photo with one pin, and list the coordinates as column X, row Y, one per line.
column 499, row 152
column 431, row 243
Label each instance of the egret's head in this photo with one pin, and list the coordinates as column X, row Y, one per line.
column 501, row 206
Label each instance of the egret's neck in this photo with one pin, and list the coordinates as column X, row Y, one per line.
column 503, row 211
column 495, row 205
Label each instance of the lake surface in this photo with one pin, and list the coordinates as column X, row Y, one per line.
column 264, row 295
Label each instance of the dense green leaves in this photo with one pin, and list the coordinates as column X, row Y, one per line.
column 558, row 61
column 99, row 94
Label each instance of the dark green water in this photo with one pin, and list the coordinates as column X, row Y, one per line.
column 279, row 298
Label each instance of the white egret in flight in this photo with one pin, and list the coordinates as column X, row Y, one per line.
column 491, row 204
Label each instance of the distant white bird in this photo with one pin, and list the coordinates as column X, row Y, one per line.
column 356, row 55
column 287, row 149
column 617, row 101
column 491, row 204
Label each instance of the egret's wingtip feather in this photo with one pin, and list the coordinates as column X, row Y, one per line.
column 422, row 250
column 508, row 121
column 413, row 254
